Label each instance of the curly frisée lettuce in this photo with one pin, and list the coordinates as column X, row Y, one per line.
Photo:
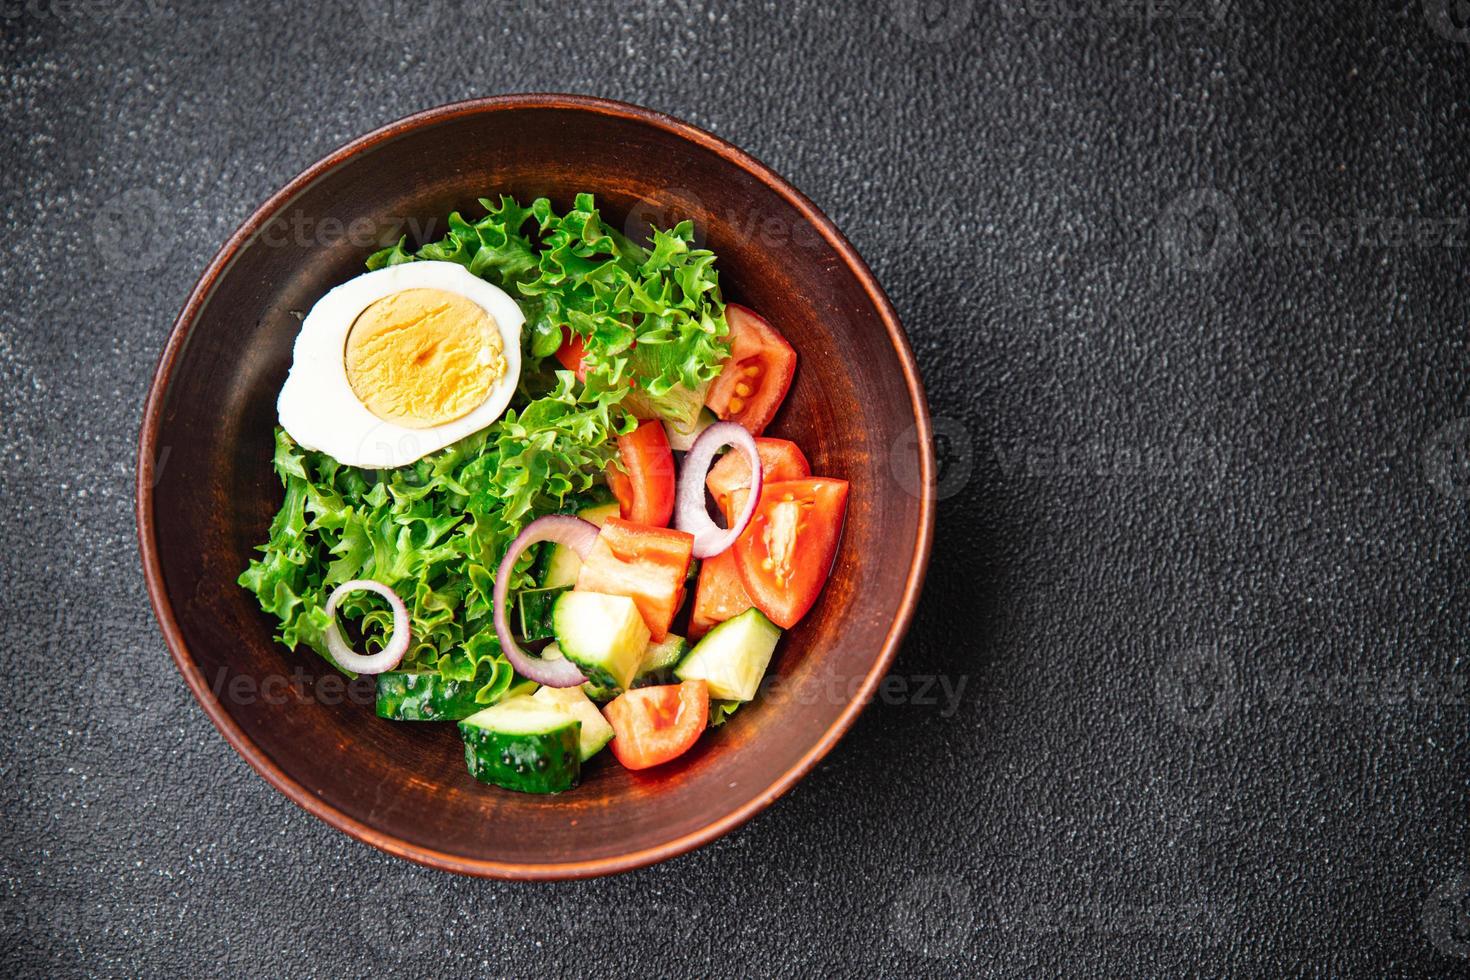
column 433, row 532
column 436, row 530
column 652, row 314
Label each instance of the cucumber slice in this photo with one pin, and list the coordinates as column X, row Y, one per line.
column 681, row 438
column 604, row 635
column 422, row 696
column 733, row 657
column 563, row 565
column 534, row 607
column 596, row 732
column 525, row 745
column 660, row 660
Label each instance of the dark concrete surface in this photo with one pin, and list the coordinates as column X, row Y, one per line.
column 1188, row 285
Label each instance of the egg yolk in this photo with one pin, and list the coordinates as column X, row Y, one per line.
column 423, row 357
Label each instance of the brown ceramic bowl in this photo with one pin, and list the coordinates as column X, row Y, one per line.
column 206, row 492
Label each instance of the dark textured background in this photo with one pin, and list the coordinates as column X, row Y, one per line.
column 1201, row 561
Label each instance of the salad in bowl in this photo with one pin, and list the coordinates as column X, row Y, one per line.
column 528, row 488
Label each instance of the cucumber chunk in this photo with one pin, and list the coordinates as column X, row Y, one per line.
column 534, row 607
column 414, row 696
column 596, row 732
column 659, row 661
column 733, row 657
column 525, row 745
column 564, row 565
column 604, row 635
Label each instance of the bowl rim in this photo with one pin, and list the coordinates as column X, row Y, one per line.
column 386, row 841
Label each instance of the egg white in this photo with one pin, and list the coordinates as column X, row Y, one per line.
column 317, row 406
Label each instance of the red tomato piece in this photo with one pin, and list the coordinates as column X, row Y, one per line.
column 780, row 460
column 785, row 554
column 652, row 725
column 645, row 486
column 719, row 595
column 647, row 564
column 571, row 352
column 757, row 375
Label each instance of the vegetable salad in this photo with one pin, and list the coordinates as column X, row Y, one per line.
column 553, row 581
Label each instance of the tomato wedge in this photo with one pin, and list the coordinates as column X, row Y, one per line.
column 757, row 375
column 645, row 485
column 652, row 725
column 719, row 595
column 573, row 348
column 780, row 460
column 785, row 554
column 647, row 564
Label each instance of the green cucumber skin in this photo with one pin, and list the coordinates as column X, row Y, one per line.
column 542, row 561
column 534, row 606
column 598, row 677
column 409, row 696
column 549, row 763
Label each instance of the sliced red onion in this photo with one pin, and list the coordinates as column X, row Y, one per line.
column 576, row 534
column 391, row 654
column 691, row 513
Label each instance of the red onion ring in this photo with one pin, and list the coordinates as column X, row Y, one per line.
column 391, row 654
column 691, row 513
column 576, row 534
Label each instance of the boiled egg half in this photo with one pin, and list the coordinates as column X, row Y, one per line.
column 401, row 362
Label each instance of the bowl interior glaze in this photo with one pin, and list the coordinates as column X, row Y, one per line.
column 206, row 491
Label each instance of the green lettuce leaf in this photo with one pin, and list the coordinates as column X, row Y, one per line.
column 720, row 712
column 655, row 315
column 435, row 531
